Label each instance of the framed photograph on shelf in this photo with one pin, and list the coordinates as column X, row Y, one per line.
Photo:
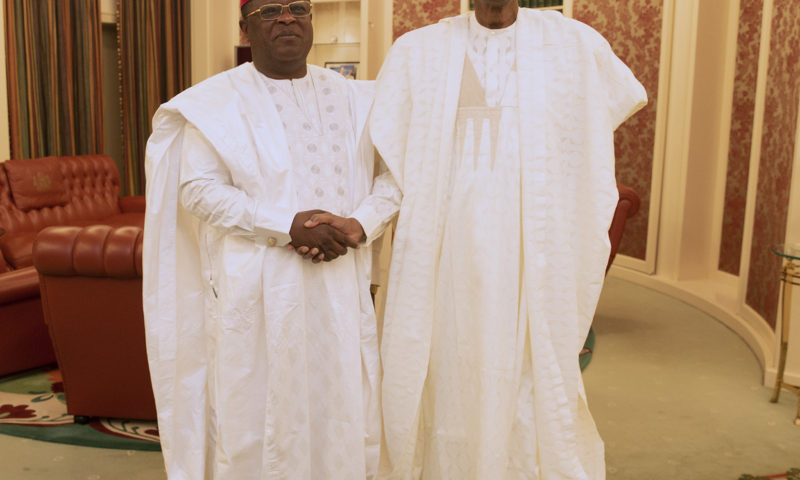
column 349, row 70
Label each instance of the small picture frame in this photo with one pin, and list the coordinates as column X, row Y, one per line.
column 348, row 70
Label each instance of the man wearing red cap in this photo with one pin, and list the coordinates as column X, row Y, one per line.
column 264, row 364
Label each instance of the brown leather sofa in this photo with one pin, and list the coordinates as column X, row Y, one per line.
column 34, row 194
column 91, row 282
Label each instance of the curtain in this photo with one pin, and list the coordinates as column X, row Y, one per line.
column 53, row 55
column 154, row 67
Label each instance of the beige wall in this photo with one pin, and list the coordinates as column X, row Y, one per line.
column 379, row 37
column 5, row 151
column 108, row 12
column 215, row 32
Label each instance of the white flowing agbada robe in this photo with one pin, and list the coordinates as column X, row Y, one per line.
column 502, row 145
column 264, row 365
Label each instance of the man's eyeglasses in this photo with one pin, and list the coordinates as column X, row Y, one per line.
column 272, row 11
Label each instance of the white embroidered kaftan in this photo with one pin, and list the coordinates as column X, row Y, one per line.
column 264, row 365
column 503, row 150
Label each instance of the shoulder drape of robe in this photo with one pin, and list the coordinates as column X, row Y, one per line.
column 573, row 93
column 184, row 347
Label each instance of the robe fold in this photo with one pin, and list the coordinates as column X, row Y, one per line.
column 507, row 332
column 255, row 376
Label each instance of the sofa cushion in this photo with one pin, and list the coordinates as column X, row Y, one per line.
column 36, row 183
column 124, row 220
column 17, row 248
column 95, row 251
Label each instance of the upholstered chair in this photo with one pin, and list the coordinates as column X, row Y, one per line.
column 91, row 285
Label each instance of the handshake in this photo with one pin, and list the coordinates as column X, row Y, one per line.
column 322, row 236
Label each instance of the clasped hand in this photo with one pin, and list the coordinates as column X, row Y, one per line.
column 322, row 236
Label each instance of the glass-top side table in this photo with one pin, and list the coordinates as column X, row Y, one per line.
column 790, row 276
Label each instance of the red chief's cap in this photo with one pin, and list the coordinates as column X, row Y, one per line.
column 242, row 2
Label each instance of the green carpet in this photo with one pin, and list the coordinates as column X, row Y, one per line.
column 586, row 354
column 793, row 474
column 32, row 405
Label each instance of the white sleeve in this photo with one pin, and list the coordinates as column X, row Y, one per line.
column 206, row 190
column 625, row 95
column 378, row 209
column 387, row 129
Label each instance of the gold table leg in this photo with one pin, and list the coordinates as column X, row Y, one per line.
column 776, row 392
column 796, row 390
column 788, row 279
column 797, row 418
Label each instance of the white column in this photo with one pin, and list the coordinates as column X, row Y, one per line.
column 5, row 146
column 678, row 132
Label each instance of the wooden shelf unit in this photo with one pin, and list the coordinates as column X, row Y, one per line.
column 352, row 31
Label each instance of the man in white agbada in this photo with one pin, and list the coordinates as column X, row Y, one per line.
column 264, row 365
column 497, row 127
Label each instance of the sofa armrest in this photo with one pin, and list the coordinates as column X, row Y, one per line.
column 627, row 206
column 134, row 204
column 18, row 285
column 629, row 198
column 95, row 251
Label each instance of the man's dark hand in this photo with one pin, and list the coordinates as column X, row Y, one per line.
column 349, row 226
column 328, row 242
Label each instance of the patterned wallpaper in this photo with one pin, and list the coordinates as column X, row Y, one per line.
column 633, row 28
column 777, row 152
column 411, row 14
column 741, row 136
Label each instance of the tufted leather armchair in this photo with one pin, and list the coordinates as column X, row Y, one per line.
column 100, row 344
column 34, row 194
